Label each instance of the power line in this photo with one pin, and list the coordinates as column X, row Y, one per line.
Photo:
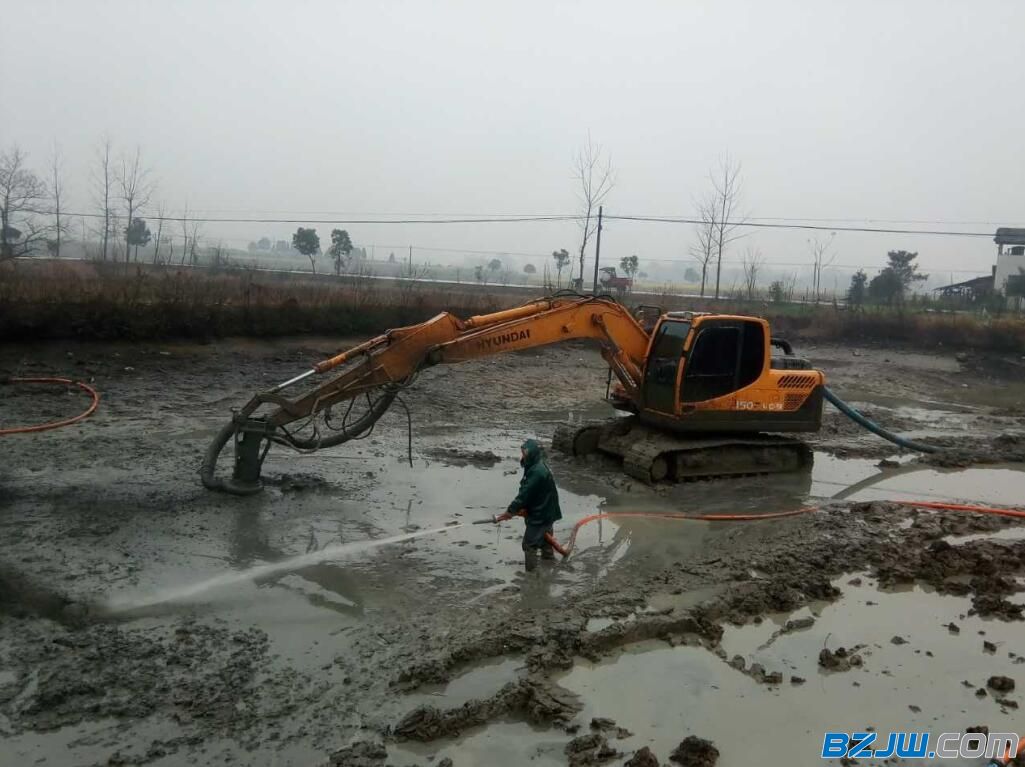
column 350, row 222
column 877, row 220
column 814, row 227
column 279, row 214
column 551, row 218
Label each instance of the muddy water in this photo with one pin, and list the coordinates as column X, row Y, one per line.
column 309, row 561
column 479, row 681
column 864, row 480
column 499, row 744
column 332, row 525
column 663, row 694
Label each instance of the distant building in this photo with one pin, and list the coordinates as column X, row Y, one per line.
column 969, row 290
column 1010, row 255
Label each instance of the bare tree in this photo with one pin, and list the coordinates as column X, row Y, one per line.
column 726, row 189
column 218, row 254
column 115, row 243
column 196, row 228
column 136, row 188
column 22, row 194
column 57, row 197
column 161, row 214
column 821, row 259
column 790, row 286
column 185, row 232
column 752, row 264
column 593, row 171
column 103, row 181
column 703, row 251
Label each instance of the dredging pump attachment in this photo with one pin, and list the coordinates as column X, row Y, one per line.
column 252, row 437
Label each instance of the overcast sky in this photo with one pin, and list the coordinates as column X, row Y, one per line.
column 845, row 110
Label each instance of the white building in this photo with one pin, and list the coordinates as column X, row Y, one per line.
column 1010, row 255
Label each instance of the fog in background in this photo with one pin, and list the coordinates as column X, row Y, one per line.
column 908, row 111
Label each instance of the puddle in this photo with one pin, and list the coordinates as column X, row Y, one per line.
column 861, row 480
column 662, row 694
column 480, row 681
column 502, row 743
column 599, row 624
column 859, row 397
column 1007, row 534
column 315, row 592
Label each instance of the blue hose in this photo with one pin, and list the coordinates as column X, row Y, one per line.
column 873, row 427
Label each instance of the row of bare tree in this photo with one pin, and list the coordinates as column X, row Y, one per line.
column 719, row 215
column 718, row 212
column 34, row 215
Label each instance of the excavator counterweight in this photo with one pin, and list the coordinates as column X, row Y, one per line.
column 700, row 395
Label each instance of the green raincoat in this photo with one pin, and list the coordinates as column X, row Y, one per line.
column 538, row 494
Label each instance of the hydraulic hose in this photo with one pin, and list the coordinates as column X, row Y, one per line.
column 93, row 404
column 208, row 468
column 875, row 428
column 350, row 431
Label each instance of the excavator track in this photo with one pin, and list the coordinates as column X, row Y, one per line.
column 653, row 456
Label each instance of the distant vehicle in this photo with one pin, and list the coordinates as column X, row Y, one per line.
column 612, row 282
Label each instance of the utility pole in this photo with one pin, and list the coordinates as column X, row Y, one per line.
column 410, row 262
column 597, row 253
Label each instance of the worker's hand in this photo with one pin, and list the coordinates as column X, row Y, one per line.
column 505, row 517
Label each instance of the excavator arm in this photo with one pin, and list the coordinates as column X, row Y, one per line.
column 374, row 372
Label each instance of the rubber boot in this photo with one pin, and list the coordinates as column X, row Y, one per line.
column 530, row 560
column 548, row 554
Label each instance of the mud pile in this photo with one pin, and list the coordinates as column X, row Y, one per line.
column 534, row 699
column 207, row 679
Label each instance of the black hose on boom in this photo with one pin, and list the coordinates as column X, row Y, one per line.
column 875, row 428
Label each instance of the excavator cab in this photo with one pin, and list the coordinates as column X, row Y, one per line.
column 716, row 373
column 713, row 402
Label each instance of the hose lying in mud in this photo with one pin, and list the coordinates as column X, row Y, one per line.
column 567, row 549
column 93, row 404
column 873, row 427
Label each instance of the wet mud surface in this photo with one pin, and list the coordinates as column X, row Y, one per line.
column 328, row 620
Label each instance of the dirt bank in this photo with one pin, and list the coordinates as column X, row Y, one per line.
column 103, row 661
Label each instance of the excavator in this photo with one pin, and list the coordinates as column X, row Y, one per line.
column 698, row 395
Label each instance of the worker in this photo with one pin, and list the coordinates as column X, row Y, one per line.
column 537, row 502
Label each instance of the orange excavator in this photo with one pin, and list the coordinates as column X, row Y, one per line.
column 699, row 395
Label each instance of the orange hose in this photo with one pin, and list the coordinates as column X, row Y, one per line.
column 568, row 548
column 55, row 424
column 679, row 517
column 965, row 507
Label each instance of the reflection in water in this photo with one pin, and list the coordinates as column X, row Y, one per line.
column 863, row 480
column 267, row 572
column 250, row 543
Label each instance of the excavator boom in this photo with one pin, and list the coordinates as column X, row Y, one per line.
column 380, row 367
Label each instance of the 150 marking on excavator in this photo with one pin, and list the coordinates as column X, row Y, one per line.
column 501, row 340
column 747, row 405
